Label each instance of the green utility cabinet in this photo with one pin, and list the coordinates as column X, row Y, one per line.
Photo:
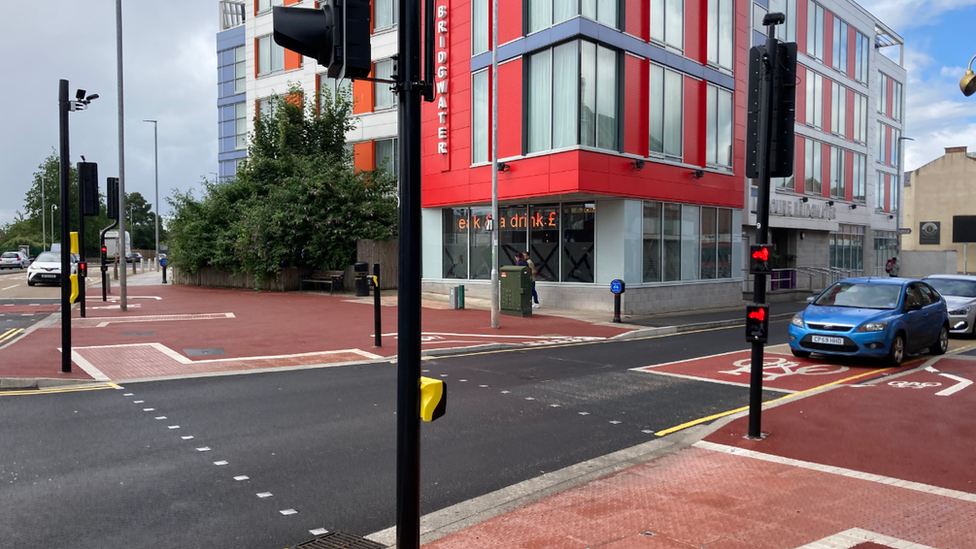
column 516, row 290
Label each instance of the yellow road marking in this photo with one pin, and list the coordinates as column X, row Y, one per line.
column 60, row 390
column 10, row 334
column 791, row 395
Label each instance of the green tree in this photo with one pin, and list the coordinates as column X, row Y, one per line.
column 297, row 201
column 140, row 222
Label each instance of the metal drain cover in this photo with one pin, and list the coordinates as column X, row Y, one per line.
column 205, row 352
column 339, row 540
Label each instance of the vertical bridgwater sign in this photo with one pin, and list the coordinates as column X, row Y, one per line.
column 440, row 84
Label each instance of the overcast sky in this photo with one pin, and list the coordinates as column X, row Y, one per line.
column 171, row 75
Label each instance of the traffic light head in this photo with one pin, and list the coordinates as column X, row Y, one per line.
column 759, row 257
column 757, row 322
column 83, row 269
column 336, row 36
column 88, row 184
column 112, row 199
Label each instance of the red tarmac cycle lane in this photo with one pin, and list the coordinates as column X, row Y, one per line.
column 783, row 372
column 917, row 427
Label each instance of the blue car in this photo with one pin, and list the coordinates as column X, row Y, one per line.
column 885, row 318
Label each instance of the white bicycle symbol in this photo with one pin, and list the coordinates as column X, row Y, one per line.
column 777, row 367
column 913, row 384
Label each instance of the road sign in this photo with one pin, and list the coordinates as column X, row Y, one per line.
column 905, row 230
column 617, row 286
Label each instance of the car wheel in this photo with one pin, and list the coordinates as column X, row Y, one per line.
column 30, row 282
column 800, row 354
column 897, row 351
column 942, row 344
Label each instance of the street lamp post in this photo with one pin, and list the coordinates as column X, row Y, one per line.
column 53, row 208
column 43, row 221
column 156, row 165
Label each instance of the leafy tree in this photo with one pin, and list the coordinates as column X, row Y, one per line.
column 297, row 201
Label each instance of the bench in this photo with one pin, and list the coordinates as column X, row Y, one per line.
column 332, row 278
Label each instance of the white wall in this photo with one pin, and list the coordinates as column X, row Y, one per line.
column 431, row 224
column 609, row 241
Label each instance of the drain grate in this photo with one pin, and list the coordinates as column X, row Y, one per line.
column 205, row 352
column 340, row 540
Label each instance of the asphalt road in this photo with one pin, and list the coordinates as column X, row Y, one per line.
column 101, row 469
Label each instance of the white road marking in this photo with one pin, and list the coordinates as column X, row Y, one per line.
column 10, row 287
column 203, row 449
column 961, row 384
column 187, row 437
column 443, row 375
column 219, row 463
column 857, row 536
column 263, row 495
column 148, row 409
column 127, row 395
column 241, row 477
column 318, row 532
column 554, row 406
column 506, row 392
column 483, row 386
column 870, row 477
column 287, row 512
column 708, row 379
column 647, row 431
column 529, row 398
column 138, row 401
column 173, row 427
column 615, row 422
column 88, row 367
column 584, row 413
column 160, row 417
column 462, row 380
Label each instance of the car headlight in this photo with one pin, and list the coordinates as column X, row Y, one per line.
column 873, row 326
column 797, row 320
column 961, row 311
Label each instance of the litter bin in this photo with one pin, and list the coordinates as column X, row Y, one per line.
column 516, row 291
column 361, row 271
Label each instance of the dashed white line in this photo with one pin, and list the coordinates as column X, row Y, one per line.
column 584, row 413
column 287, row 512
column 220, row 463
column 318, row 532
column 127, row 395
column 647, row 431
column 443, row 375
column 615, row 422
column 263, row 495
column 138, row 401
column 203, row 449
column 241, row 477
column 148, row 409
column 554, row 406
column 160, row 417
column 462, row 380
column 529, row 398
column 506, row 392
column 173, row 427
column 187, row 437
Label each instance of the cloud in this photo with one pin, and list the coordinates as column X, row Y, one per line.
column 905, row 14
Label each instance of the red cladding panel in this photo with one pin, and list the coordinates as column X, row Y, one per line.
column 510, row 109
column 891, row 91
column 849, row 176
column 825, row 172
column 828, row 38
column 635, row 93
column 696, row 21
column 636, row 19
column 801, row 94
column 799, row 173
column 887, row 148
column 509, row 21
column 851, row 51
column 801, row 26
column 293, row 60
column 887, row 193
column 827, row 95
column 693, row 132
column 849, row 132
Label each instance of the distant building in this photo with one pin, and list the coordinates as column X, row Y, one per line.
column 936, row 192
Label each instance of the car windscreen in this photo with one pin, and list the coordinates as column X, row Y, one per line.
column 48, row 257
column 860, row 295
column 948, row 286
column 10, row 255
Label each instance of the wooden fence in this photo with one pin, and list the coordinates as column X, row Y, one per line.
column 384, row 252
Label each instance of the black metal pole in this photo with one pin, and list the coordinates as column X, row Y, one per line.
column 65, row 229
column 762, row 225
column 408, row 310
column 377, row 317
column 81, row 246
column 616, row 307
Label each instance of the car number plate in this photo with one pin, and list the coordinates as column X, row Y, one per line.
column 49, row 276
column 828, row 340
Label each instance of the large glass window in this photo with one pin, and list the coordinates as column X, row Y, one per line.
column 240, row 125
column 709, row 242
column 543, row 248
column 271, row 56
column 815, row 31
column 860, row 177
column 839, row 61
column 240, row 74
column 576, row 81
column 455, row 237
column 333, row 88
column 838, row 110
column 692, row 247
column 847, row 248
column 813, row 167
column 860, row 118
column 814, row 99
column 789, row 27
column 652, row 242
column 895, row 149
column 387, row 156
column 265, row 5
column 479, row 26
column 862, row 53
column 672, row 241
column 545, row 13
column 385, row 13
column 480, row 243
column 893, row 194
column 718, row 146
column 578, row 260
column 896, row 94
column 667, row 22
column 479, row 117
column 838, row 173
column 881, row 144
column 882, row 93
column 879, row 191
column 720, row 36
column 665, row 111
column 383, row 96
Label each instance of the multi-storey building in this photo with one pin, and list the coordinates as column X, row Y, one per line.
column 621, row 126
column 840, row 208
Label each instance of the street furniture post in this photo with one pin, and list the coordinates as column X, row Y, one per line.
column 616, row 288
column 377, row 317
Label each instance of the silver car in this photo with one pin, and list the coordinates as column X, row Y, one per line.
column 14, row 260
column 959, row 292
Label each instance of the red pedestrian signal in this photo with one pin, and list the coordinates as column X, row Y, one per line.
column 83, row 269
column 759, row 257
column 104, row 251
column 757, row 322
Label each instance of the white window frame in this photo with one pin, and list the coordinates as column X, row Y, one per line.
column 275, row 52
column 665, row 108
column 382, row 89
column 661, row 9
column 393, row 11
column 712, row 141
column 719, row 54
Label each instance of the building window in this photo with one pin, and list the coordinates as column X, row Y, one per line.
column 385, row 13
column 578, row 242
column 387, row 156
column 383, row 96
column 240, row 76
column 860, row 177
column 861, row 53
column 718, row 147
column 572, row 91
column 895, row 149
column 652, row 242
column 860, row 118
column 720, row 36
column 882, row 93
column 667, row 22
column 885, row 247
column 455, row 243
column 685, row 242
column 838, row 109
column 265, row 5
column 881, row 144
column 893, row 194
column 240, row 125
column 271, row 56
column 665, row 111
column 847, row 248
column 479, row 117
column 333, row 88
column 814, row 99
column 839, row 61
column 709, row 242
column 267, row 108
column 480, row 239
column 815, row 31
column 545, row 13
column 896, row 93
column 789, row 27
column 813, row 168
column 879, row 191
column 838, row 173
column 479, row 26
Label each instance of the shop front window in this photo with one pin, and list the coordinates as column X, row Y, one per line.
column 709, row 242
column 672, row 242
column 847, row 249
column 652, row 242
column 455, row 238
column 578, row 260
column 885, row 247
column 543, row 246
column 512, row 236
column 480, row 243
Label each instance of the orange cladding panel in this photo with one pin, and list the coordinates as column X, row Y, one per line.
column 362, row 94
column 293, row 60
column 364, row 156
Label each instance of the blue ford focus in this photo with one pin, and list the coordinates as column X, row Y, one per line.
column 884, row 318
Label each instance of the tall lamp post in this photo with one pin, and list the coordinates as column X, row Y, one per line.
column 53, row 208
column 968, row 82
column 156, row 164
column 43, row 221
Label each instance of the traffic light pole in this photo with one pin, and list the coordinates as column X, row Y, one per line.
column 408, row 312
column 81, row 246
column 762, row 222
column 104, row 262
column 63, row 107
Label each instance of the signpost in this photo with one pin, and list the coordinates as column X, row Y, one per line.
column 617, row 287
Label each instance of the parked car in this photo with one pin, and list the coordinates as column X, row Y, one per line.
column 14, row 260
column 46, row 269
column 959, row 292
column 136, row 256
column 872, row 317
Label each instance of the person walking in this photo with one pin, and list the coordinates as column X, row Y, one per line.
column 532, row 273
column 892, row 267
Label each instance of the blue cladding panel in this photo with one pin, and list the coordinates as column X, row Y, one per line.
column 230, row 38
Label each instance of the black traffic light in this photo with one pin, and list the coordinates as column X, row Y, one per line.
column 336, row 36
column 88, row 185
column 104, row 254
column 83, row 269
column 759, row 256
column 757, row 322
column 113, row 197
column 783, row 140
